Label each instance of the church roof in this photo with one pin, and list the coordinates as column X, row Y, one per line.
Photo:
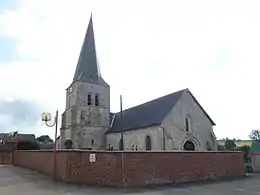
column 87, row 69
column 147, row 114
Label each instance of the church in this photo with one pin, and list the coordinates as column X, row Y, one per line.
column 174, row 122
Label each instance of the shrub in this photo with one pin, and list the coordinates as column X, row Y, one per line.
column 27, row 145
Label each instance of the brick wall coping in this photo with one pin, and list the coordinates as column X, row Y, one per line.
column 105, row 151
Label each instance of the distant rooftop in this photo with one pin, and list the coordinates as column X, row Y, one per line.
column 22, row 137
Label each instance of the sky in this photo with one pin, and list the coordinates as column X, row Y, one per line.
column 146, row 49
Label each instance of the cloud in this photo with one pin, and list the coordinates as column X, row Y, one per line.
column 146, row 49
column 19, row 114
column 8, row 52
column 9, row 4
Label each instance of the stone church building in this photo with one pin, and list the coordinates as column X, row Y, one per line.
column 173, row 122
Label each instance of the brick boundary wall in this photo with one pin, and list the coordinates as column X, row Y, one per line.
column 139, row 168
column 6, row 157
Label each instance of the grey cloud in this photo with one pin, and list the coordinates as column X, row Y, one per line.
column 20, row 112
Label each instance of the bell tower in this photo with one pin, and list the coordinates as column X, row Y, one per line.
column 86, row 118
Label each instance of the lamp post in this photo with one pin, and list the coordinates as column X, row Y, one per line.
column 46, row 117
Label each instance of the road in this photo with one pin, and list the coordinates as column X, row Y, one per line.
column 15, row 180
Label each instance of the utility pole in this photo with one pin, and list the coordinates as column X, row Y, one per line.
column 122, row 142
column 121, row 124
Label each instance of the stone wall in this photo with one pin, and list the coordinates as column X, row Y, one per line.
column 83, row 124
column 200, row 127
column 139, row 168
column 136, row 139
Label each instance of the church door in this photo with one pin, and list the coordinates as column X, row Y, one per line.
column 189, row 146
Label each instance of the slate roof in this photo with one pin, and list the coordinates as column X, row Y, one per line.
column 144, row 115
column 87, row 69
column 22, row 137
column 147, row 114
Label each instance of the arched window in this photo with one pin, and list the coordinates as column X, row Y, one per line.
column 89, row 100
column 96, row 100
column 148, row 142
column 187, row 124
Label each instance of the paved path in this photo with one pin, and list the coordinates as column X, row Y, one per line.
column 17, row 181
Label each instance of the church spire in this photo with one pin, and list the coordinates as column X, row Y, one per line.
column 87, row 68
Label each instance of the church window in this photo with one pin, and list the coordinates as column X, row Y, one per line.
column 96, row 100
column 92, row 141
column 89, row 100
column 187, row 123
column 109, row 147
column 148, row 143
column 70, row 90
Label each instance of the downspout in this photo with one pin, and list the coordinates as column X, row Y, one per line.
column 163, row 136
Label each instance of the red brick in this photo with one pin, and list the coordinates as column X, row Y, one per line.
column 139, row 168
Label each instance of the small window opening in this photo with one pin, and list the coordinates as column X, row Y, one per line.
column 136, row 148
column 92, row 141
column 96, row 100
column 187, row 124
column 89, row 100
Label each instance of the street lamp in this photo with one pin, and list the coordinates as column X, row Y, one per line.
column 46, row 117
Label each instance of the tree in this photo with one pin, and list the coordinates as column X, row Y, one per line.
column 230, row 144
column 45, row 139
column 255, row 135
column 28, row 145
column 246, row 150
column 221, row 147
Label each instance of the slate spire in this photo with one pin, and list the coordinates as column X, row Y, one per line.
column 87, row 68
